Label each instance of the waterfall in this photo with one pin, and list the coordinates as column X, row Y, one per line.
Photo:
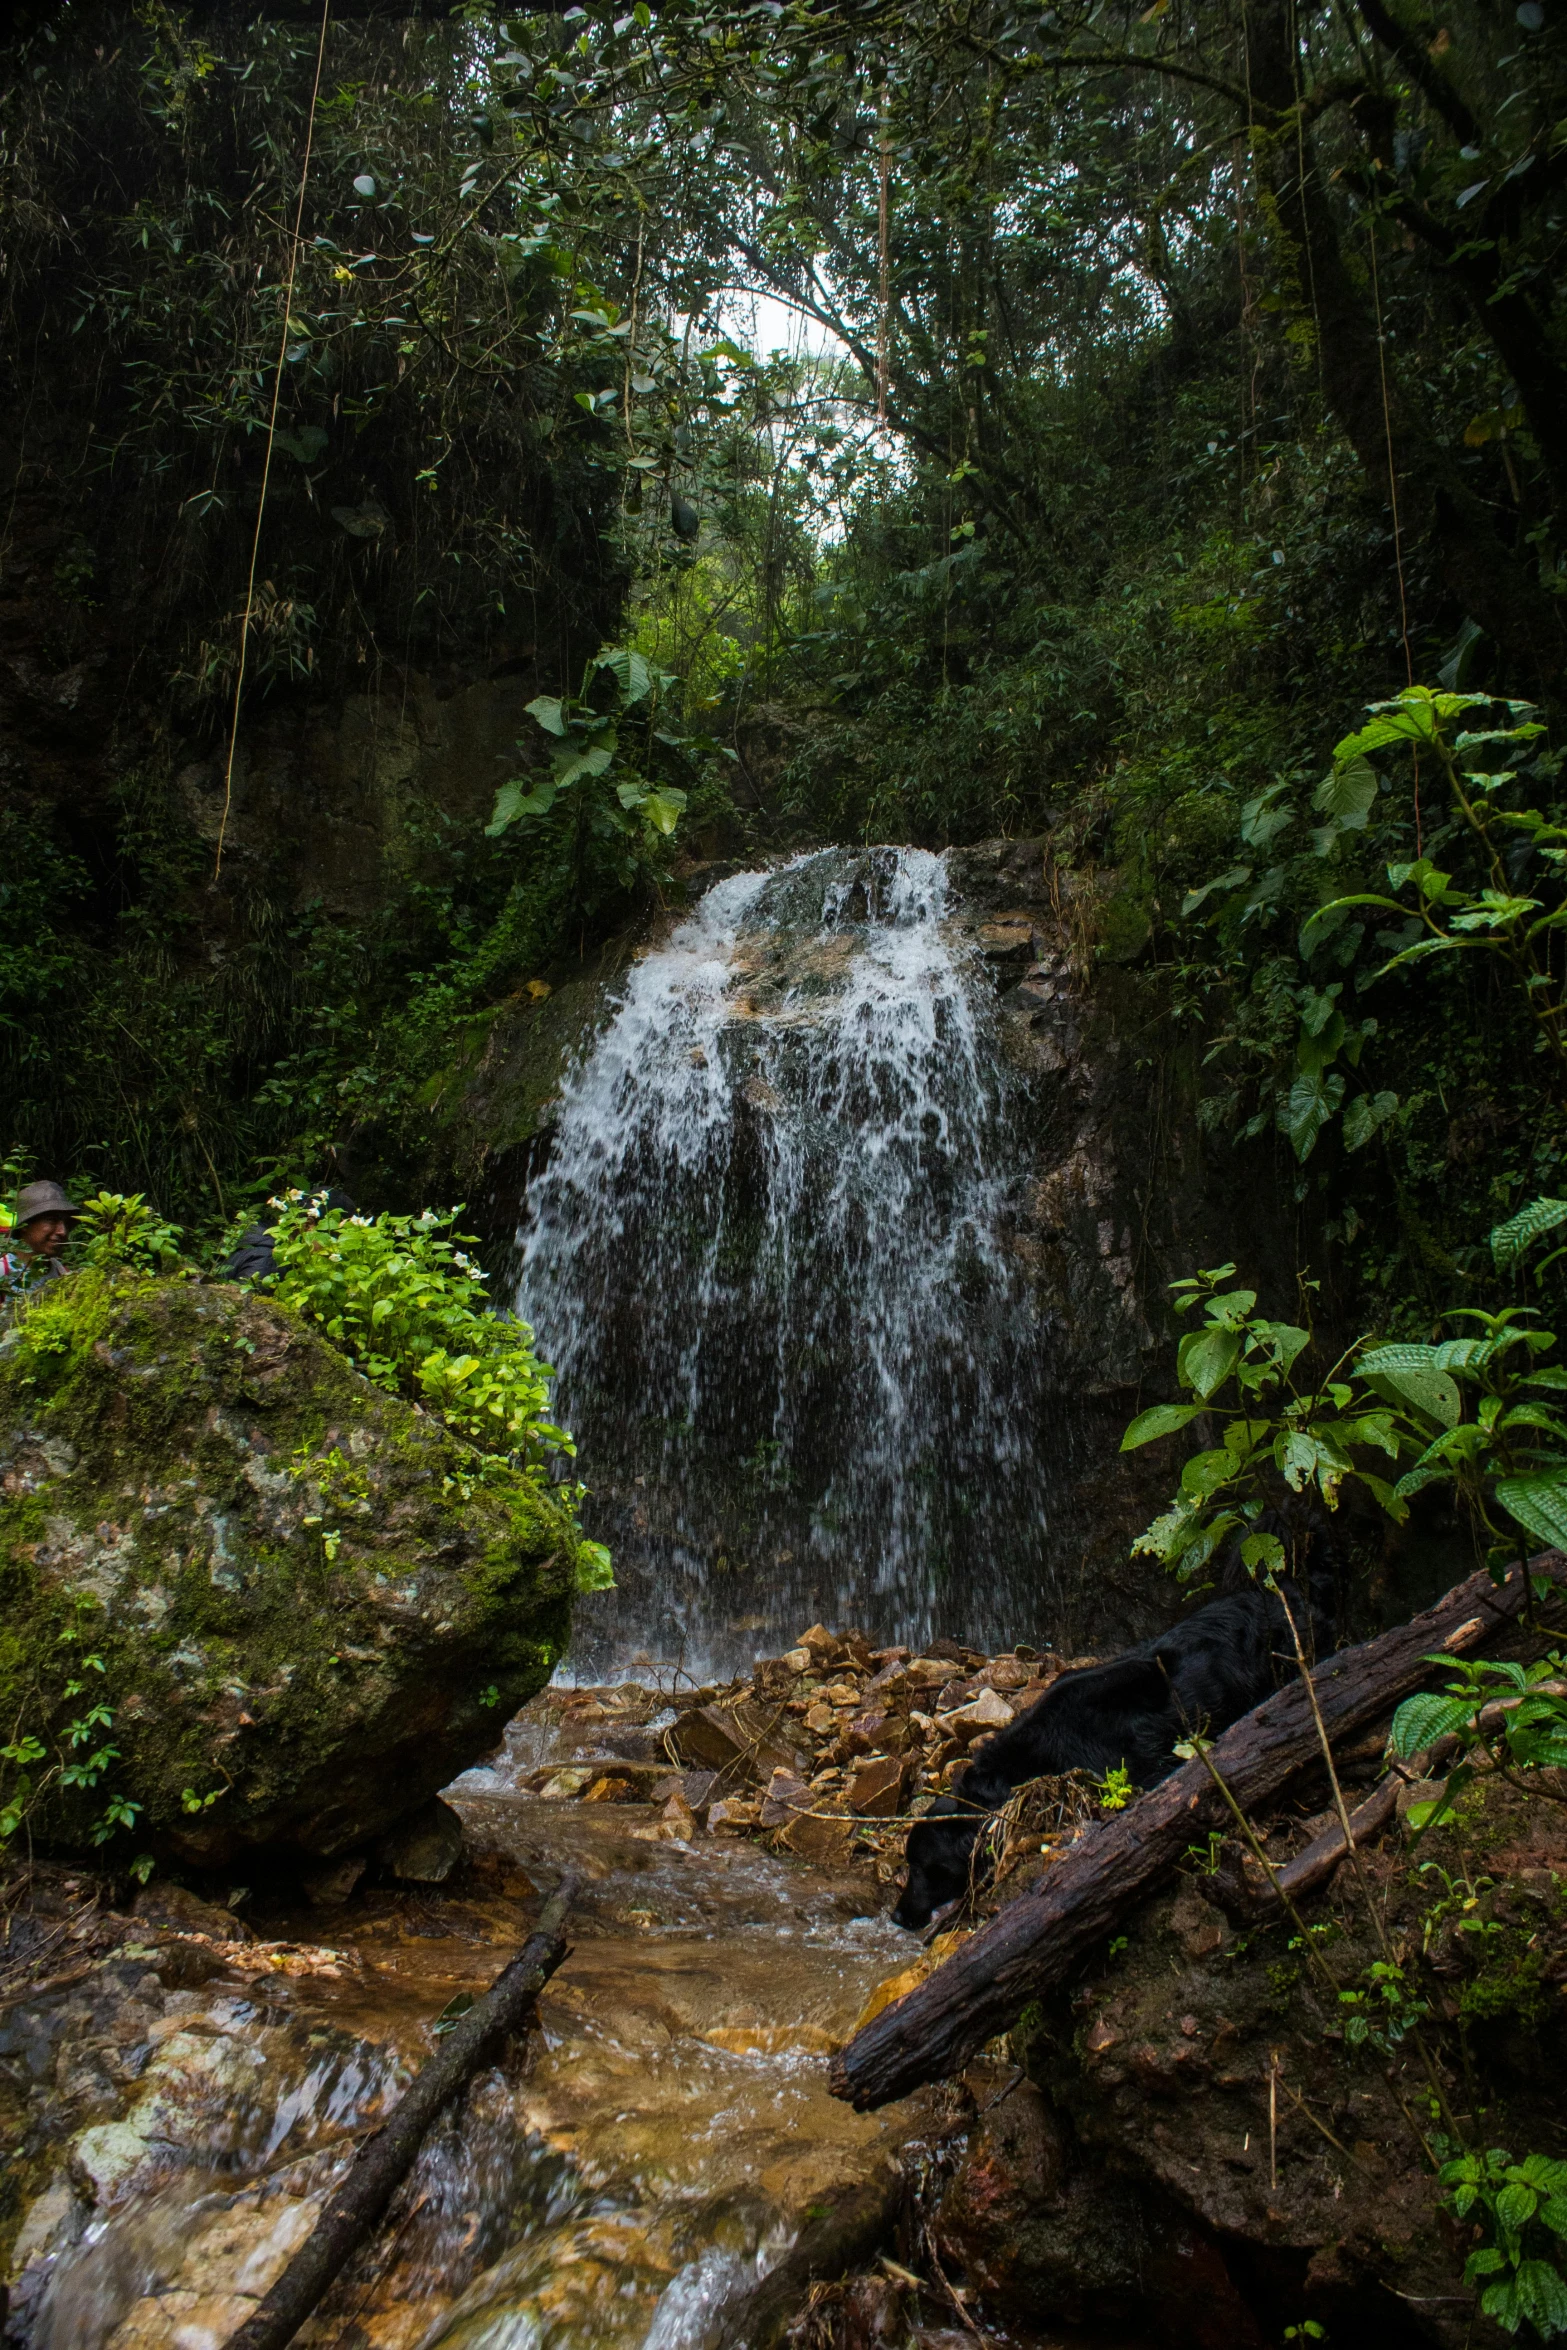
column 767, row 1258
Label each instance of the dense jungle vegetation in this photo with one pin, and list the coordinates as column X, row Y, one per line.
column 1175, row 381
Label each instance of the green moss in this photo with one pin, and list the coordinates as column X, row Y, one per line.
column 314, row 1644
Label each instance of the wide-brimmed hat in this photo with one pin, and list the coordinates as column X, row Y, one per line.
column 41, row 1199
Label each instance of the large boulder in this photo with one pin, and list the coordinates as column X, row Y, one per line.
column 313, row 1604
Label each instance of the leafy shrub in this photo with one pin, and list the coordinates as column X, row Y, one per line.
column 1507, row 1718
column 405, row 1301
column 1473, row 1412
column 1516, row 2202
column 118, row 1228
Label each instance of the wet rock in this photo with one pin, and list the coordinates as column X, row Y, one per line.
column 819, row 1837
column 733, row 1816
column 787, row 1795
column 676, row 1824
column 988, row 1711
column 332, row 1882
column 611, row 1789
column 166, row 1453
column 163, row 1903
column 858, row 2314
column 424, row 1848
column 1007, row 938
column 876, row 1785
column 742, row 1742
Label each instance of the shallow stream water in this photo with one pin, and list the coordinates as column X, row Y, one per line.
column 633, row 2179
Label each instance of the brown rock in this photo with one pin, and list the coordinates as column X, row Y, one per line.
column 742, row 1742
column 822, row 1644
column 1007, row 938
column 1198, row 1927
column 1006, row 1672
column 787, row 1793
column 611, row 1790
column 876, row 1786
column 329, row 1883
column 171, row 1906
column 1027, row 2232
column 679, row 1815
column 818, row 1837
column 988, row 1711
column 698, row 1788
column 732, row 1815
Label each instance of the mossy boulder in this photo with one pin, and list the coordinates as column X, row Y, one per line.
column 312, row 1603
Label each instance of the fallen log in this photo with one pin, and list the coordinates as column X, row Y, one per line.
column 1321, row 1857
column 384, row 2160
column 984, row 1986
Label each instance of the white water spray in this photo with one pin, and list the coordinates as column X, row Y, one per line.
column 766, row 1257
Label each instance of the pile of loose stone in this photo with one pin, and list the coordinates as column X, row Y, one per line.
column 827, row 1751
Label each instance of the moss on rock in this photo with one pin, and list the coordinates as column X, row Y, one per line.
column 313, row 1603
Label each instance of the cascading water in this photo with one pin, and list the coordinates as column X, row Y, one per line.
column 767, row 1258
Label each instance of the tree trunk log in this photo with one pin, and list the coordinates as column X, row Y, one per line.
column 383, row 2161
column 985, row 1985
column 1316, row 1864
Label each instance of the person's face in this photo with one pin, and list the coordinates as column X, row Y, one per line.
column 45, row 1236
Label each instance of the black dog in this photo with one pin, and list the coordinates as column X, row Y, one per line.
column 1202, row 1674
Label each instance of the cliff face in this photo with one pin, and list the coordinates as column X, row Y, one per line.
column 312, row 1604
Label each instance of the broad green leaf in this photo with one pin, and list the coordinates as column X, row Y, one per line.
column 1205, row 1472
column 1493, row 910
column 1337, row 906
column 1424, row 1389
column 572, row 766
column 1543, row 2291
column 546, row 708
column 1306, row 1109
column 511, row 801
column 1231, row 880
column 1304, row 1457
column 630, row 671
column 1427, row 878
column 1348, row 793
column 1284, row 1340
column 1515, row 2205
column 1512, row 1240
column 1207, row 1357
column 1421, row 1721
column 662, row 808
column 1162, row 1419
column 1364, row 1115
column 1539, row 1504
column 1398, row 1358
column 1262, row 820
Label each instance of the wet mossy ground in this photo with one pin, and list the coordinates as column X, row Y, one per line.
column 306, row 1604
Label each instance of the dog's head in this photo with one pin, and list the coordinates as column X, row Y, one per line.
column 938, row 1852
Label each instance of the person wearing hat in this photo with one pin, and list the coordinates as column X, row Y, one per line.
column 40, row 1228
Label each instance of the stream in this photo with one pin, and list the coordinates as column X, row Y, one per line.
column 633, row 2179
column 769, row 1255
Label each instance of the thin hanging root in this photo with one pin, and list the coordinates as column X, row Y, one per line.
column 266, row 462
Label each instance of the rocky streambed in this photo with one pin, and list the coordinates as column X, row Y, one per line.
column 1189, row 2146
